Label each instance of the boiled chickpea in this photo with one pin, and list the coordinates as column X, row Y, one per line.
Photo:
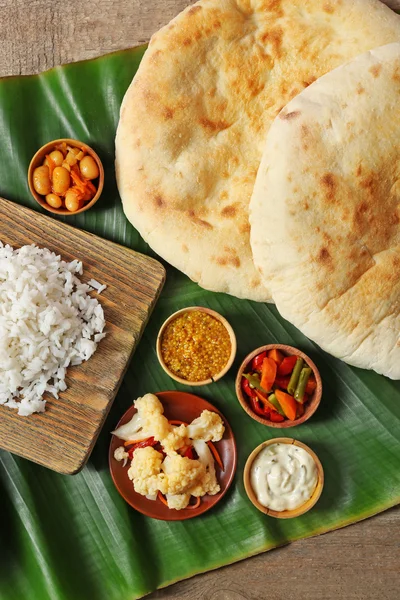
column 89, row 168
column 72, row 200
column 54, row 201
column 41, row 180
column 61, row 180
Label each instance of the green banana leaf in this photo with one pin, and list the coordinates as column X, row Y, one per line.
column 64, row 538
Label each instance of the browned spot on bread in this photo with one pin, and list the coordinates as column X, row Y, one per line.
column 229, row 211
column 199, row 221
column 323, row 255
column 244, row 228
column 255, row 282
column 274, row 36
column 360, row 89
column 368, row 183
column 294, row 93
column 375, row 70
column 168, row 113
column 362, row 208
column 185, row 248
column 194, row 9
column 396, row 75
column 306, row 206
column 290, row 115
column 359, row 170
column 159, row 201
column 274, row 6
column 155, row 56
column 328, row 182
column 138, row 142
column 308, row 82
column 228, row 260
column 217, row 24
column 213, row 126
column 223, row 195
column 187, row 42
column 328, row 8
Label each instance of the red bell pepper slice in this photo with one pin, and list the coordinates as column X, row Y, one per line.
column 259, row 408
column 311, row 385
column 247, row 389
column 149, row 442
column 276, row 417
column 287, row 365
column 282, row 382
column 256, row 363
column 189, row 453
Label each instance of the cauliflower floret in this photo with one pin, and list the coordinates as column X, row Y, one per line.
column 145, row 472
column 182, row 473
column 147, row 422
column 177, row 438
column 148, row 405
column 208, row 484
column 178, row 501
column 207, row 427
column 121, row 454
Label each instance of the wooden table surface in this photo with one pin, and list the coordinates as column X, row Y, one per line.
column 360, row 562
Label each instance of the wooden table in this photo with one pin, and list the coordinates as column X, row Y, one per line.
column 361, row 562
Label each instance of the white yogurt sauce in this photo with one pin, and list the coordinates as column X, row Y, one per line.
column 283, row 476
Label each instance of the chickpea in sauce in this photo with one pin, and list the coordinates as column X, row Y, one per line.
column 195, row 346
column 65, row 178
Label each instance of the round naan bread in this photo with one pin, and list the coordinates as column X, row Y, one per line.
column 325, row 212
column 194, row 120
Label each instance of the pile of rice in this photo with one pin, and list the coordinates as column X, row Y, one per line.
column 47, row 323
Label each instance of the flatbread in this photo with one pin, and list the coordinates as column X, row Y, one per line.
column 325, row 212
column 194, row 120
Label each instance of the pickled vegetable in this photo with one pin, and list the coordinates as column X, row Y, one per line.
column 41, row 180
column 89, row 168
column 54, row 201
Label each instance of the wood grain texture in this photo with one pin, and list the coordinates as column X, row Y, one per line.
column 361, row 562
column 63, row 437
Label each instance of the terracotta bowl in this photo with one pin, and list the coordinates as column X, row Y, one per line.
column 37, row 161
column 231, row 336
column 310, row 407
column 184, row 407
column 284, row 514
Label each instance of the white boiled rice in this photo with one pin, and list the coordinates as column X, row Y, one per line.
column 47, row 323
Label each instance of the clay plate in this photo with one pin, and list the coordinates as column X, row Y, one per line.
column 185, row 407
column 309, row 408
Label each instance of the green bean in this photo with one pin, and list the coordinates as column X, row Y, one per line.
column 275, row 402
column 295, row 376
column 302, row 383
column 254, row 381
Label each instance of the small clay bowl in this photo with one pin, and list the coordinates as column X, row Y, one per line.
column 309, row 408
column 231, row 336
column 37, row 161
column 283, row 514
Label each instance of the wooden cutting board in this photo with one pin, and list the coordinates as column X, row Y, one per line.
column 63, row 437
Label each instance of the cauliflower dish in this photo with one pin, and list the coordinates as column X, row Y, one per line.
column 171, row 461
